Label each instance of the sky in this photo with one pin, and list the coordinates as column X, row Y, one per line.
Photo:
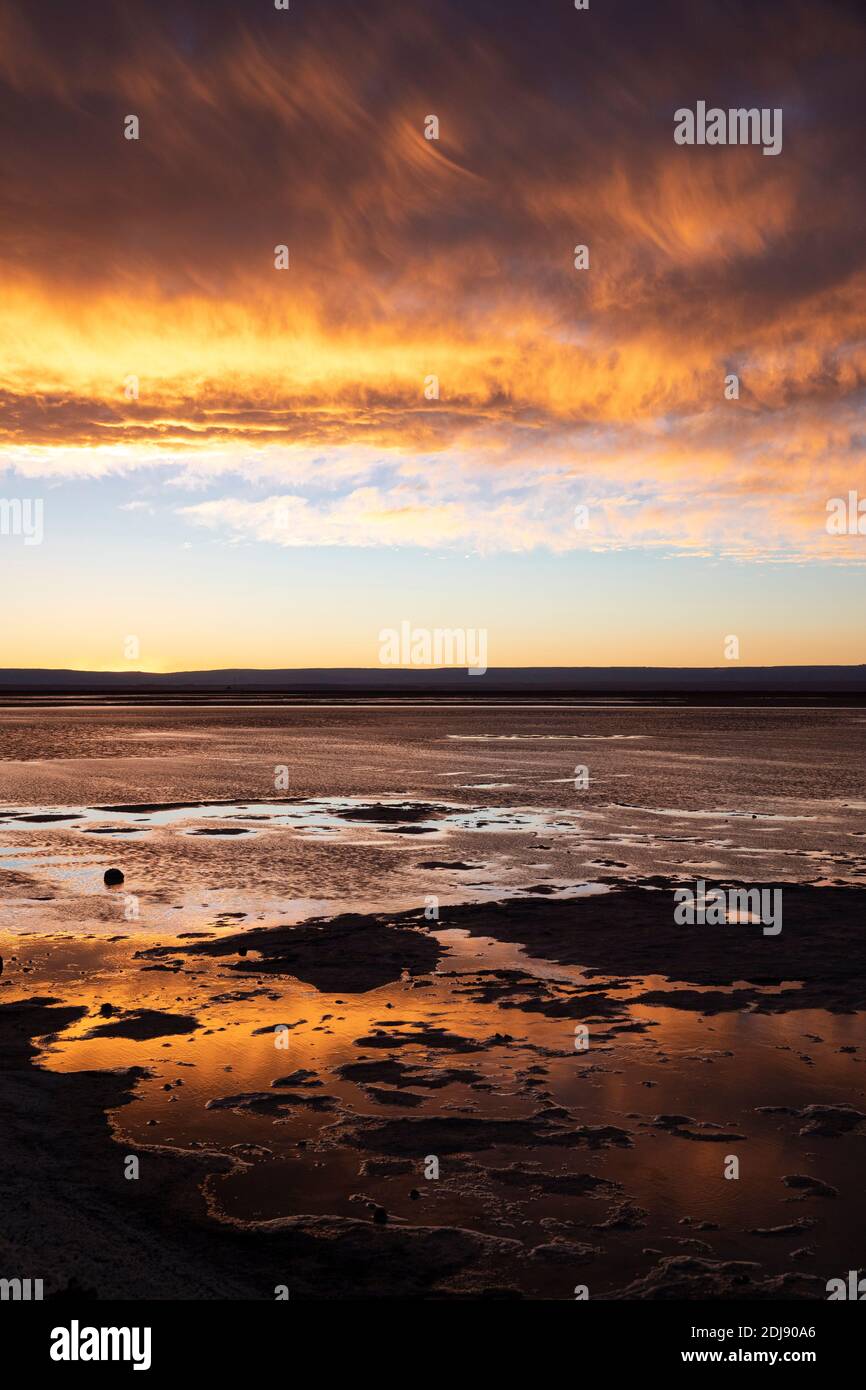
column 431, row 413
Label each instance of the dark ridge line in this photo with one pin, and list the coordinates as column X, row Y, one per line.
column 674, row 684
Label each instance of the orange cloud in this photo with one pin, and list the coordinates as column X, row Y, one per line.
column 153, row 262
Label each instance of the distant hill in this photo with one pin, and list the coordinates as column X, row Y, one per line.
column 732, row 681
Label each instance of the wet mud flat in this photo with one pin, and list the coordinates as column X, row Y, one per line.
column 413, row 1039
column 71, row 1212
column 297, row 918
column 629, row 932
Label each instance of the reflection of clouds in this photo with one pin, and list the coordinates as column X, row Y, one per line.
column 411, row 257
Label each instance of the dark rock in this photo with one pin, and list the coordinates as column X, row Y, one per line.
column 142, row 1024
column 812, row 1187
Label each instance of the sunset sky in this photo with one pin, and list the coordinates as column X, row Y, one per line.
column 282, row 488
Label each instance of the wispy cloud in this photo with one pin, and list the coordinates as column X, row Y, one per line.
column 413, row 259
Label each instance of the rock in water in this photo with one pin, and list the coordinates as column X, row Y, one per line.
column 111, row 877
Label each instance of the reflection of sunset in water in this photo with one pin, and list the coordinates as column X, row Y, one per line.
column 654, row 1104
column 714, row 1069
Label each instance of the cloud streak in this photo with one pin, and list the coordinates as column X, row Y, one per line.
column 453, row 259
